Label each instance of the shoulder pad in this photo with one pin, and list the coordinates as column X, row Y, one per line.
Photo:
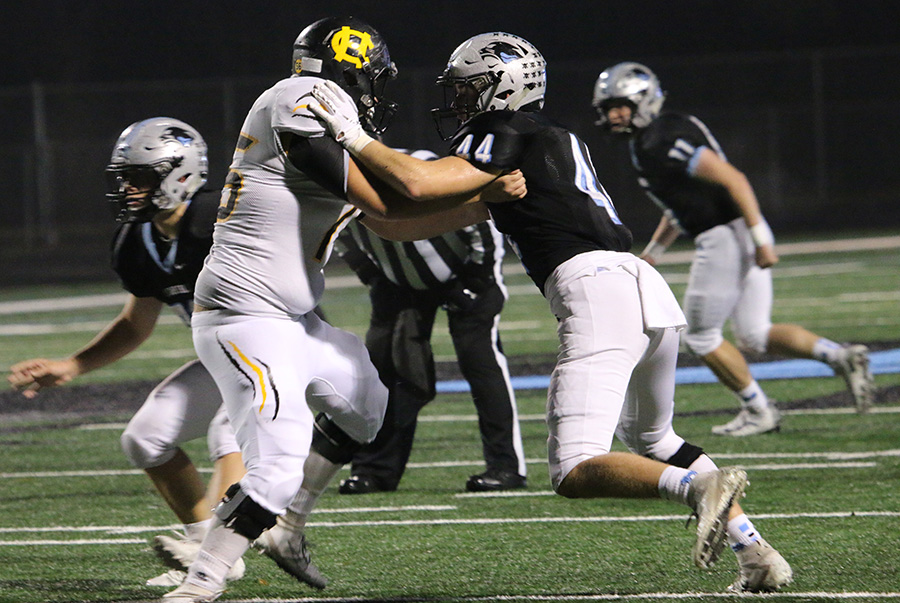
column 290, row 109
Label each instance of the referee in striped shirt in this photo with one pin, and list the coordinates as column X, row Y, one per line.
column 408, row 282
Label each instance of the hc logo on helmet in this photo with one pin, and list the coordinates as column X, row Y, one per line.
column 350, row 40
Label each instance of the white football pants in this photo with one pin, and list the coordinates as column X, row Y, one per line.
column 185, row 406
column 615, row 375
column 724, row 283
column 274, row 373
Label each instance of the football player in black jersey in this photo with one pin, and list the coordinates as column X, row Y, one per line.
column 618, row 320
column 683, row 169
column 157, row 172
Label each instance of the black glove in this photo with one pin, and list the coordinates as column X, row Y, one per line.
column 458, row 297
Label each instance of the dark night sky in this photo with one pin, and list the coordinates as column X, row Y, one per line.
column 95, row 40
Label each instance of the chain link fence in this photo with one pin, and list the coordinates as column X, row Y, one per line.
column 816, row 132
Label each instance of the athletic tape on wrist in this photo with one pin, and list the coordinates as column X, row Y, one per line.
column 762, row 234
column 359, row 143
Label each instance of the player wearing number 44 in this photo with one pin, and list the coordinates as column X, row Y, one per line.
column 618, row 321
column 683, row 169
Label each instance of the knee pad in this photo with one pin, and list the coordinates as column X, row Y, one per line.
column 686, row 455
column 704, row 341
column 243, row 515
column 756, row 339
column 144, row 452
column 332, row 442
column 660, row 446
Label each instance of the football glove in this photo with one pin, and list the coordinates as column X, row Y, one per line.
column 340, row 115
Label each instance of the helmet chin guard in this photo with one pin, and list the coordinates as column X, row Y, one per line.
column 164, row 156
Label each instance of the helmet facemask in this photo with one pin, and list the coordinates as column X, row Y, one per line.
column 506, row 71
column 352, row 54
column 165, row 159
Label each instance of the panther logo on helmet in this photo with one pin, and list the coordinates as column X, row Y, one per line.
column 179, row 135
column 503, row 51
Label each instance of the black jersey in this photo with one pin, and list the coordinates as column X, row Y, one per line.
column 664, row 154
column 150, row 266
column 566, row 210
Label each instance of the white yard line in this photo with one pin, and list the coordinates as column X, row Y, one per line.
column 442, row 522
column 28, row 306
column 840, row 460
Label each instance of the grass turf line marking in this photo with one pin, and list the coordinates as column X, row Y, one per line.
column 438, row 522
column 834, row 456
column 889, row 410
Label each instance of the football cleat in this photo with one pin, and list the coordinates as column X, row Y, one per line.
column 762, row 569
column 853, row 367
column 191, row 593
column 751, row 422
column 712, row 495
column 179, row 553
column 494, row 480
column 173, row 577
column 289, row 551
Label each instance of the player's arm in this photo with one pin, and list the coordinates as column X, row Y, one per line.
column 425, row 180
column 328, row 164
column 463, row 210
column 449, row 177
column 665, row 234
column 126, row 332
column 712, row 168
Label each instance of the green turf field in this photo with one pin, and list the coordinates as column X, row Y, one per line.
column 76, row 518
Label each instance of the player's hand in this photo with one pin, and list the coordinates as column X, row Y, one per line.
column 509, row 187
column 766, row 256
column 340, row 115
column 29, row 376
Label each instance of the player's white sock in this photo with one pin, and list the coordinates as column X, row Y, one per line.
column 221, row 549
column 703, row 464
column 196, row 531
column 675, row 483
column 753, row 396
column 741, row 532
column 828, row 351
column 317, row 474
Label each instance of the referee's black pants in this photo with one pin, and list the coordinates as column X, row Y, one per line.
column 399, row 342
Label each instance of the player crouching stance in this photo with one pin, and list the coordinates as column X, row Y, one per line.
column 618, row 320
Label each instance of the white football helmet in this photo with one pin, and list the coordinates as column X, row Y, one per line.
column 507, row 72
column 632, row 82
column 163, row 153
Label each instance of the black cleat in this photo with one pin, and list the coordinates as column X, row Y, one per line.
column 361, row 484
column 494, row 479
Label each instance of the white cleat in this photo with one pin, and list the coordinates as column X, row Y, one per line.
column 171, row 578
column 762, row 569
column 191, row 593
column 288, row 549
column 712, row 495
column 751, row 422
column 179, row 553
column 853, row 367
